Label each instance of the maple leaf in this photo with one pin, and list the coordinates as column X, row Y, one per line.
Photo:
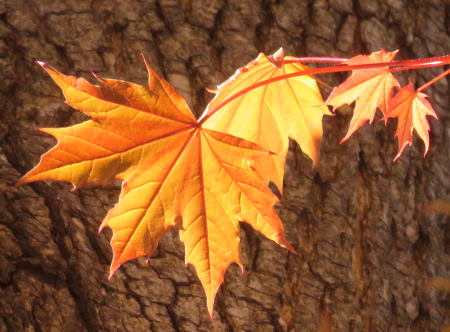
column 411, row 109
column 174, row 172
column 269, row 114
column 371, row 88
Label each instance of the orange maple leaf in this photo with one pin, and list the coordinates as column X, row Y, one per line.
column 371, row 88
column 411, row 109
column 174, row 172
column 282, row 109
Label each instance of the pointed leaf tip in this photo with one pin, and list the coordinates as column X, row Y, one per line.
column 97, row 77
column 211, row 90
column 210, row 313
column 277, row 58
column 19, row 183
column 145, row 62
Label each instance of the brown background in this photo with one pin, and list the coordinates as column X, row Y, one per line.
column 368, row 246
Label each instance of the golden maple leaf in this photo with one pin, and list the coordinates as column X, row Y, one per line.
column 271, row 113
column 174, row 172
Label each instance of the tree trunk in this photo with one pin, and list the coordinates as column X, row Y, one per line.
column 370, row 251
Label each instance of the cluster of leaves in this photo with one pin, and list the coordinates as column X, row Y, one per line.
column 207, row 175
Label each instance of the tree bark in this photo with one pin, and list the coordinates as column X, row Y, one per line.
column 370, row 251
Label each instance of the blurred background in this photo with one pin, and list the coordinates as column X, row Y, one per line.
column 374, row 235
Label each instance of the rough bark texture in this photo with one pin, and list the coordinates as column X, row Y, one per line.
column 367, row 244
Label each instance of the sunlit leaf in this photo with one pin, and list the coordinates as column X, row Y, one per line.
column 370, row 88
column 269, row 114
column 174, row 172
column 411, row 108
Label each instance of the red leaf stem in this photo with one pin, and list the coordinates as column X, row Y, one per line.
column 410, row 64
column 316, row 59
column 434, row 80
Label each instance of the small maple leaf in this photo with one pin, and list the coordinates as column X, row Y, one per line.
column 371, row 88
column 411, row 109
column 269, row 114
column 171, row 167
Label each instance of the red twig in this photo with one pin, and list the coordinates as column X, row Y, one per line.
column 434, row 80
column 315, row 59
column 407, row 64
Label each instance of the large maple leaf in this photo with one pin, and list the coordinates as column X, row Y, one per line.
column 282, row 109
column 411, row 108
column 174, row 172
column 371, row 88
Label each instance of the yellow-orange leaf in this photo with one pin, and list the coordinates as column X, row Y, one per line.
column 371, row 88
column 174, row 172
column 411, row 109
column 269, row 114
